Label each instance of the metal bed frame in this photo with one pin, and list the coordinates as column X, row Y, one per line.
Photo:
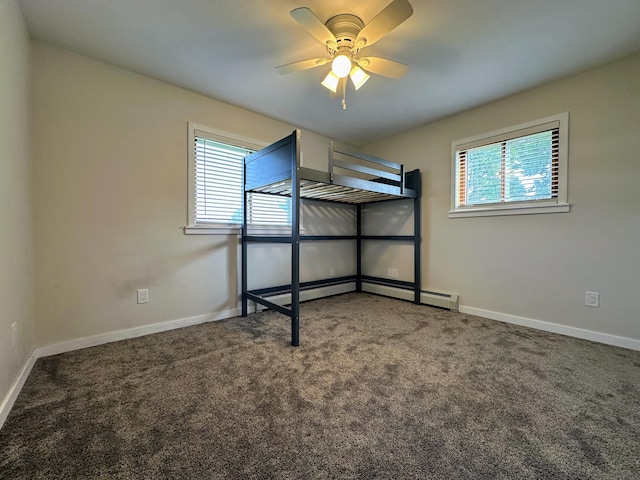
column 353, row 177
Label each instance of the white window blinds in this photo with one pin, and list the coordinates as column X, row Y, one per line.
column 519, row 169
column 219, row 188
column 218, row 182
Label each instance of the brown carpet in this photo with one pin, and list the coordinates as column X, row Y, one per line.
column 379, row 388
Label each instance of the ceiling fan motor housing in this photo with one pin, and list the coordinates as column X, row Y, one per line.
column 344, row 36
column 345, row 27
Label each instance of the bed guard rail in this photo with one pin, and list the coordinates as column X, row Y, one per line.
column 367, row 167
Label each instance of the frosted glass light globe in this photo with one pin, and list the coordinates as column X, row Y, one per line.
column 341, row 65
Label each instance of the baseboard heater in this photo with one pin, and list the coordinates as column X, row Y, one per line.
column 308, row 291
column 433, row 298
column 320, row 289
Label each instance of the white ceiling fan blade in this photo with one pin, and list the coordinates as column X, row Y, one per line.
column 382, row 66
column 301, row 65
column 313, row 25
column 389, row 18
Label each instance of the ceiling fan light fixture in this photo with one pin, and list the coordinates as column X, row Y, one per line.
column 344, row 36
column 341, row 65
column 331, row 81
column 358, row 76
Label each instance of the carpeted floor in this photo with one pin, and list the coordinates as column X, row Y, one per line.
column 379, row 388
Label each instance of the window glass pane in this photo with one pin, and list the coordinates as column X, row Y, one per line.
column 483, row 174
column 528, row 167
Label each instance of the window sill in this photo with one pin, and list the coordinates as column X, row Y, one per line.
column 211, row 230
column 510, row 210
column 231, row 230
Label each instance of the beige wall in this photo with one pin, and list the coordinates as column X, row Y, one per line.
column 16, row 252
column 539, row 266
column 111, row 190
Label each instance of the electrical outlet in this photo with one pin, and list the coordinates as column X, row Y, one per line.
column 332, row 271
column 143, row 295
column 14, row 334
column 592, row 299
column 392, row 272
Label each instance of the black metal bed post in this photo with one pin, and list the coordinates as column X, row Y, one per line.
column 417, row 234
column 243, row 236
column 359, row 247
column 295, row 241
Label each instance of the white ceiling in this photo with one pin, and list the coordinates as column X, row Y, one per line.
column 461, row 53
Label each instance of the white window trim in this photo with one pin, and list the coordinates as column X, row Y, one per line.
column 558, row 205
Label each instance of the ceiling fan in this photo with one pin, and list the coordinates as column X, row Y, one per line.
column 344, row 36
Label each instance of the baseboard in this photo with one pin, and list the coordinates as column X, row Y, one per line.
column 100, row 339
column 108, row 337
column 14, row 391
column 599, row 337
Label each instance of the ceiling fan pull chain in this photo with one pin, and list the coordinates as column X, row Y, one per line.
column 344, row 94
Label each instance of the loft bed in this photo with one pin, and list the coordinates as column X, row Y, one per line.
column 353, row 178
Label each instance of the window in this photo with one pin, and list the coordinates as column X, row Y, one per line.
column 216, row 164
column 519, row 170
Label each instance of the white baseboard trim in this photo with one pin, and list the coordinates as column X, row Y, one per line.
column 108, row 337
column 599, row 337
column 14, row 391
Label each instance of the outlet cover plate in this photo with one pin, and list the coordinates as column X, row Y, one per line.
column 592, row 299
column 143, row 295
